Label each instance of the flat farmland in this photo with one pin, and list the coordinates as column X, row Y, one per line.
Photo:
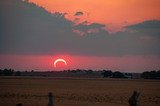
column 33, row 91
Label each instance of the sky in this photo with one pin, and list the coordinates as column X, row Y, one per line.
column 119, row 35
column 114, row 13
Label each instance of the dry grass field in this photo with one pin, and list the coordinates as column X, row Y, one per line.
column 32, row 91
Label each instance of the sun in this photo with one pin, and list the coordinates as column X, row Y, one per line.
column 59, row 60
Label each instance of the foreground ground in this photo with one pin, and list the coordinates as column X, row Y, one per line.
column 32, row 91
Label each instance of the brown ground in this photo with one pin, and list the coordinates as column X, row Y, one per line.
column 32, row 91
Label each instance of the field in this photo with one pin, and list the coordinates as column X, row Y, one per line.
column 33, row 91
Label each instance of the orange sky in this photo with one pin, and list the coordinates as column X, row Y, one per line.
column 44, row 63
column 113, row 13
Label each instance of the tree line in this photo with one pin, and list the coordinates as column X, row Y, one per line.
column 9, row 72
column 145, row 75
column 104, row 73
column 110, row 74
column 151, row 74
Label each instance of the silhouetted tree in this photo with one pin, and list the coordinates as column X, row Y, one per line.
column 0, row 72
column 18, row 73
column 73, row 71
column 118, row 74
column 145, row 75
column 151, row 74
column 32, row 71
column 89, row 71
column 78, row 70
column 107, row 73
column 158, row 74
column 8, row 72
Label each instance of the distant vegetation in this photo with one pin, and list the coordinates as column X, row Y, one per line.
column 6, row 72
column 83, row 73
column 151, row 74
column 116, row 74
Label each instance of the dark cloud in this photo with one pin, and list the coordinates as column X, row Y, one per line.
column 150, row 28
column 28, row 29
column 86, row 28
column 79, row 13
column 150, row 24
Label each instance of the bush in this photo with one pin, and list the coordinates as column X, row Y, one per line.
column 7, row 72
column 107, row 73
column 18, row 73
column 118, row 74
column 151, row 74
